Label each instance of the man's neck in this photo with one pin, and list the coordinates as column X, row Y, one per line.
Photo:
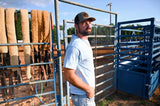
column 82, row 37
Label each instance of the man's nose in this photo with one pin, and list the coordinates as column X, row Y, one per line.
column 88, row 23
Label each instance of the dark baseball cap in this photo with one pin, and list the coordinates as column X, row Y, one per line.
column 82, row 17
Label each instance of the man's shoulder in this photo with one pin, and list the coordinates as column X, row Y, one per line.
column 76, row 42
column 74, row 45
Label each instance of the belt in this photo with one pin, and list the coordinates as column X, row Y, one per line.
column 74, row 94
column 77, row 94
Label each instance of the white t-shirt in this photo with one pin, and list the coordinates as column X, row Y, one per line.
column 79, row 56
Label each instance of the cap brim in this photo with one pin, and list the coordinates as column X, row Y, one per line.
column 89, row 18
column 92, row 19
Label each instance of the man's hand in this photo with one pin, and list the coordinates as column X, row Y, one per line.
column 90, row 92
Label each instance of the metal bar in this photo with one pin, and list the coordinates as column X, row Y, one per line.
column 134, row 61
column 65, row 33
column 131, row 66
column 122, row 36
column 101, row 66
column 127, row 51
column 69, row 21
column 137, row 43
column 156, row 35
column 85, row 6
column 103, row 90
column 136, row 21
column 101, row 36
column 101, row 83
column 157, row 43
column 131, row 30
column 56, row 3
column 150, row 52
column 157, row 48
column 18, row 11
column 22, row 44
column 134, row 27
column 92, row 36
column 115, row 53
column 65, row 46
column 156, row 54
column 98, row 57
column 132, row 58
column 23, row 65
column 155, row 87
column 103, row 46
column 53, row 103
column 29, row 83
column 133, row 48
column 132, row 54
column 111, row 26
column 28, row 97
column 157, row 26
column 52, row 58
column 132, row 42
column 124, row 57
column 95, row 49
column 104, row 74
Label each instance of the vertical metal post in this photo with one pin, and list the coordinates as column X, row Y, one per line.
column 52, row 51
column 65, row 46
column 149, row 71
column 110, row 4
column 59, row 51
column 95, row 55
column 115, row 53
column 151, row 46
column 65, row 33
column 110, row 13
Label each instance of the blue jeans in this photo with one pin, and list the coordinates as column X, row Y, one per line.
column 82, row 100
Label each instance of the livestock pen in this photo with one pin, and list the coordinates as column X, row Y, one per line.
column 32, row 72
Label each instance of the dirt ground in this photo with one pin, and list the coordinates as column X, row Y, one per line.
column 120, row 98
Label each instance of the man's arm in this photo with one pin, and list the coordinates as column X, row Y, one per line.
column 72, row 78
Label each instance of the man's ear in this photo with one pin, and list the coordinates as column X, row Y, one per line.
column 76, row 27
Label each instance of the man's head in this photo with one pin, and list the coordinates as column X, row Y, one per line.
column 83, row 23
column 82, row 17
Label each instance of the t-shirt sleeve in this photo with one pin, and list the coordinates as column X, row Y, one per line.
column 71, row 58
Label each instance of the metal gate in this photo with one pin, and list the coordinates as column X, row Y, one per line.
column 103, row 51
column 105, row 80
column 138, row 51
column 32, row 82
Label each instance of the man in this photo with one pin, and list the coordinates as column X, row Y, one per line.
column 78, row 63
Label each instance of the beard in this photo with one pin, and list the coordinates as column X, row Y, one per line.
column 85, row 32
